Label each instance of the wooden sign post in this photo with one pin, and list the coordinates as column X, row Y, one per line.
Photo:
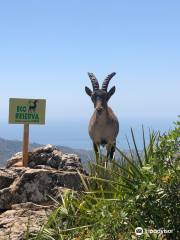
column 25, row 144
column 26, row 111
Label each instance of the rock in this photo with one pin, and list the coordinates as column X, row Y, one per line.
column 46, row 149
column 7, row 176
column 55, row 160
column 36, row 185
column 42, row 167
column 70, row 162
column 49, row 156
column 28, row 194
column 21, row 218
column 14, row 159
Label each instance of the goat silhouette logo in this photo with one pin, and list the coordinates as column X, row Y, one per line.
column 30, row 111
column 32, row 105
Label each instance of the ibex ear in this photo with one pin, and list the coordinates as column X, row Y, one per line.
column 88, row 91
column 111, row 92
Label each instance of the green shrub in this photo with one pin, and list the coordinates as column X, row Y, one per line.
column 140, row 190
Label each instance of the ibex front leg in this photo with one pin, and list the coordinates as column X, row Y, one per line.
column 110, row 152
column 95, row 146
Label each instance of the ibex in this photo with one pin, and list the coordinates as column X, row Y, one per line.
column 103, row 125
column 32, row 108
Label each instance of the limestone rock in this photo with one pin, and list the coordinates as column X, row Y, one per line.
column 37, row 185
column 14, row 223
column 49, row 156
column 27, row 194
column 8, row 176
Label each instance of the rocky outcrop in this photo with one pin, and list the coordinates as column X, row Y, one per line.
column 22, row 219
column 49, row 156
column 7, row 177
column 37, row 186
column 27, row 193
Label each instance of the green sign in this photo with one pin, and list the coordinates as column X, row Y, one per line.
column 30, row 111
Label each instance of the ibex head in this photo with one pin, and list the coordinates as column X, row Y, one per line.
column 101, row 96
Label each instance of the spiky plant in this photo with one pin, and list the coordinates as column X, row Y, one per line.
column 139, row 190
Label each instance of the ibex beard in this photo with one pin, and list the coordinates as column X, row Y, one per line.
column 103, row 125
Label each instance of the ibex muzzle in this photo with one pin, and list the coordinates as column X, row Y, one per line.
column 103, row 126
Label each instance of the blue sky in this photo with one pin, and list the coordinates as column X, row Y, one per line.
column 47, row 48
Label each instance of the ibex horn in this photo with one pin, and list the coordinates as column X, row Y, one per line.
column 107, row 80
column 94, row 81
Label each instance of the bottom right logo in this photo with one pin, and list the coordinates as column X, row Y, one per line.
column 139, row 231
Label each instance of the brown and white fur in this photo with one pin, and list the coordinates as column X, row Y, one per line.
column 103, row 125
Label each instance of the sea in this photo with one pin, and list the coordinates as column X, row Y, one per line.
column 74, row 134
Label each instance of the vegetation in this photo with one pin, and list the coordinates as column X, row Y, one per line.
column 142, row 190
